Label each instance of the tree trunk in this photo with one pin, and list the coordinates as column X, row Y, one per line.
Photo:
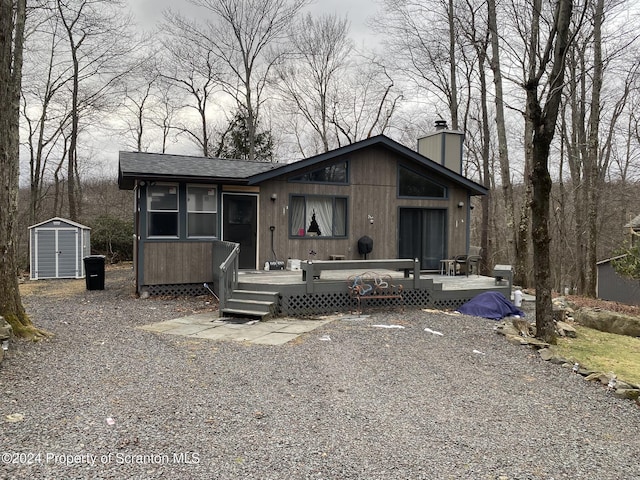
column 11, row 47
column 455, row 122
column 543, row 120
column 593, row 152
column 522, row 265
column 487, row 199
column 503, row 152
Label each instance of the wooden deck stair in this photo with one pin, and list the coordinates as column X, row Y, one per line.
column 251, row 304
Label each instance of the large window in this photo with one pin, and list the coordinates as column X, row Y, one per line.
column 318, row 216
column 413, row 184
column 337, row 173
column 162, row 210
column 202, row 208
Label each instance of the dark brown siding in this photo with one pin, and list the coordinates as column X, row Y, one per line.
column 372, row 191
column 169, row 263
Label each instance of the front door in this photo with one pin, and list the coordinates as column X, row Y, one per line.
column 240, row 225
column 422, row 235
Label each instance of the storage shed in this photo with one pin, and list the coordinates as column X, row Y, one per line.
column 57, row 248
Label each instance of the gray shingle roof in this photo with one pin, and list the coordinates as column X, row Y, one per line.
column 635, row 223
column 175, row 168
column 183, row 167
column 378, row 141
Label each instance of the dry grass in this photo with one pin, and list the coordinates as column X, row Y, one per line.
column 68, row 287
column 53, row 288
column 604, row 352
column 581, row 302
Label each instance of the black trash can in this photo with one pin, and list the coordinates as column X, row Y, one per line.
column 94, row 272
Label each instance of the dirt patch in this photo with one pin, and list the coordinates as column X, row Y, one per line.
column 119, row 279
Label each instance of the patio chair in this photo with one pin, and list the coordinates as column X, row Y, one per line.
column 468, row 263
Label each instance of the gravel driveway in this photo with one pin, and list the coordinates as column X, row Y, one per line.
column 103, row 399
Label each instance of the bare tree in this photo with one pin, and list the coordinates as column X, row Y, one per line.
column 12, row 27
column 366, row 103
column 164, row 111
column 545, row 58
column 99, row 45
column 503, row 149
column 473, row 28
column 595, row 107
column 192, row 67
column 45, row 111
column 422, row 44
column 244, row 35
column 309, row 78
column 139, row 90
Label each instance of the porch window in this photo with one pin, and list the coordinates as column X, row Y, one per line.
column 162, row 210
column 318, row 216
column 413, row 184
column 202, row 211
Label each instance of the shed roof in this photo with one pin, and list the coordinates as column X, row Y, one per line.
column 635, row 223
column 64, row 220
column 163, row 167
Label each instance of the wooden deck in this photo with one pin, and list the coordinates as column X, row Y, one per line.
column 286, row 277
column 329, row 293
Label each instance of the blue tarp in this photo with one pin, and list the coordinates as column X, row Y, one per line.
column 491, row 305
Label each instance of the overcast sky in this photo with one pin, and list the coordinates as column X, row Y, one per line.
column 357, row 11
column 149, row 12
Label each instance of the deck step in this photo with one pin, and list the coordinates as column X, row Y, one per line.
column 232, row 312
column 250, row 304
column 267, row 296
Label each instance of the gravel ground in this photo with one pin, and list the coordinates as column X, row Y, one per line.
column 371, row 403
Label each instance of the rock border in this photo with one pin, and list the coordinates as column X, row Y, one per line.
column 513, row 329
column 5, row 336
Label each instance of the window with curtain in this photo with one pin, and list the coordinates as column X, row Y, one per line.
column 413, row 184
column 318, row 216
column 202, row 211
column 162, row 210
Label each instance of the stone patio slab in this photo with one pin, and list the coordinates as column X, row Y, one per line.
column 275, row 338
column 212, row 334
column 186, row 329
column 301, row 327
column 207, row 326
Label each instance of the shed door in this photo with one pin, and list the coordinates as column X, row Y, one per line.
column 67, row 253
column 46, row 257
column 57, row 253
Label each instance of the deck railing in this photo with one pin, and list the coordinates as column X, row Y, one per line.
column 311, row 270
column 228, row 272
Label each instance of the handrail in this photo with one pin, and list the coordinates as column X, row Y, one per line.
column 229, row 274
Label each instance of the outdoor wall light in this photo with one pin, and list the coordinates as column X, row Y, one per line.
column 274, row 197
column 370, row 218
column 460, row 204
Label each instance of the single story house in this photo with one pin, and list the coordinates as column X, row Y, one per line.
column 410, row 205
